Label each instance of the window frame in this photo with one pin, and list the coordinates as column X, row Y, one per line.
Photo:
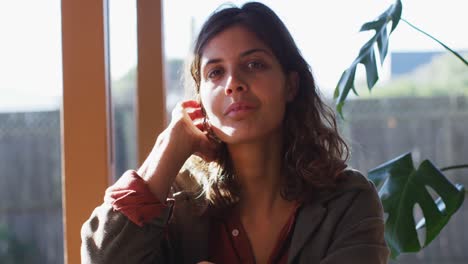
column 86, row 116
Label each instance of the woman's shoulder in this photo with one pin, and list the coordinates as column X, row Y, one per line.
column 348, row 218
column 353, row 189
column 353, row 180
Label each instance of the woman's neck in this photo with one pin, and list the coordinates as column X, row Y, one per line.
column 257, row 167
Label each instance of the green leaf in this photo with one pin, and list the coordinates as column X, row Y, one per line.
column 401, row 188
column 371, row 69
column 366, row 54
column 382, row 43
column 347, row 79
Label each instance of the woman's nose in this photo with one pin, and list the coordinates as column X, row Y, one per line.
column 234, row 85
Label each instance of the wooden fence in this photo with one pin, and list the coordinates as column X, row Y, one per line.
column 30, row 187
column 431, row 128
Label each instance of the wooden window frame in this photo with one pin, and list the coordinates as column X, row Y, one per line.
column 86, row 116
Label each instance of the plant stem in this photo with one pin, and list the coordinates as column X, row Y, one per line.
column 438, row 41
column 463, row 166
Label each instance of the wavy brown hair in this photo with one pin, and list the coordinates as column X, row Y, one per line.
column 314, row 153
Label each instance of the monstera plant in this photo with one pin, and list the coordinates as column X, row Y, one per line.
column 402, row 186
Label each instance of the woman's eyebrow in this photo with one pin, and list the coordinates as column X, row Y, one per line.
column 243, row 54
column 248, row 52
column 211, row 61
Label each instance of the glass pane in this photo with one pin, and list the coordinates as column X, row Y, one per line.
column 30, row 162
column 123, row 60
column 420, row 103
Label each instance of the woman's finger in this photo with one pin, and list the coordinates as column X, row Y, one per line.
column 200, row 126
column 195, row 114
column 190, row 103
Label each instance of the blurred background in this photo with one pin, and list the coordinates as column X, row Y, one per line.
column 419, row 105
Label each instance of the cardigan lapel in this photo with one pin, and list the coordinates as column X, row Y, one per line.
column 308, row 220
column 311, row 216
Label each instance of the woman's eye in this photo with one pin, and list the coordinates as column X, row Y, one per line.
column 214, row 73
column 255, row 65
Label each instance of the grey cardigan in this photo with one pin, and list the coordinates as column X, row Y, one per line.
column 345, row 225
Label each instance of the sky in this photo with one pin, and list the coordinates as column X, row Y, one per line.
column 326, row 31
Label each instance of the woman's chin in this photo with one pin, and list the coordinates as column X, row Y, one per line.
column 240, row 137
column 231, row 136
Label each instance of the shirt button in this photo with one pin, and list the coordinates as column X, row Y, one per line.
column 235, row 232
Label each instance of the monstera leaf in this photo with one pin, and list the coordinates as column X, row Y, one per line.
column 401, row 188
column 367, row 55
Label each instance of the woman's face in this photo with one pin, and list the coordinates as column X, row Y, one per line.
column 243, row 88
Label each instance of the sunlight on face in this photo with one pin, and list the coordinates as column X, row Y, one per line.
column 243, row 87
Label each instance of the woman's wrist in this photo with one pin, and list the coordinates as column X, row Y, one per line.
column 162, row 166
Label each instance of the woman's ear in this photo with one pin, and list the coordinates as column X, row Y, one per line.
column 292, row 85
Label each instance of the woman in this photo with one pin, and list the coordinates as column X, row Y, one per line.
column 271, row 185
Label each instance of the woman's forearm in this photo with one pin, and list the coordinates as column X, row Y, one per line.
column 162, row 165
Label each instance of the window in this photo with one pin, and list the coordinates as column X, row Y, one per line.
column 123, row 63
column 30, row 161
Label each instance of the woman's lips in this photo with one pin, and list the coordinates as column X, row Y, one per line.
column 239, row 109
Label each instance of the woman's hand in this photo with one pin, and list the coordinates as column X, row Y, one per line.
column 189, row 132
column 185, row 135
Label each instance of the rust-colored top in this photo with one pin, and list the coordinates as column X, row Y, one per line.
column 229, row 242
